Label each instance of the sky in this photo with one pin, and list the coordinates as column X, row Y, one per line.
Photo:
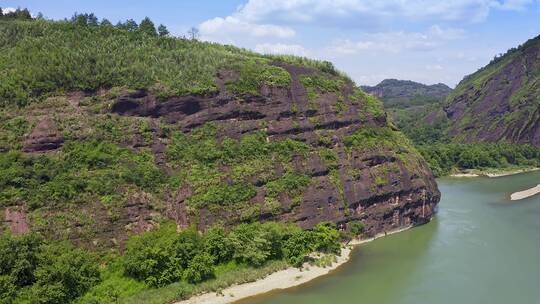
column 429, row 41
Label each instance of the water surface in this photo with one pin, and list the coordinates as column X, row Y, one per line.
column 481, row 248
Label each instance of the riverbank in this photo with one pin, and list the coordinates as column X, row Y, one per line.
column 493, row 172
column 525, row 193
column 282, row 279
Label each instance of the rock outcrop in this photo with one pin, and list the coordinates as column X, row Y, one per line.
column 44, row 137
column 500, row 101
column 385, row 187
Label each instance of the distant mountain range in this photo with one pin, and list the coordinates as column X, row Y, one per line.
column 499, row 102
column 405, row 93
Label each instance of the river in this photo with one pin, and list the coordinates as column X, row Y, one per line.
column 480, row 248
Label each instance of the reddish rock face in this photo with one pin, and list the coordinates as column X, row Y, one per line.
column 385, row 188
column 16, row 221
column 501, row 101
column 44, row 137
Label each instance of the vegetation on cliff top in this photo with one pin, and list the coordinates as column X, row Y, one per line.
column 43, row 57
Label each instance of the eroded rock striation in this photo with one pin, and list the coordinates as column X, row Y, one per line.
column 383, row 185
column 500, row 101
column 44, row 137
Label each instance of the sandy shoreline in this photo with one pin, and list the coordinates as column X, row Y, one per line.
column 493, row 174
column 282, row 279
column 464, row 175
column 525, row 193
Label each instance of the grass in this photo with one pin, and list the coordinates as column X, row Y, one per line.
column 40, row 58
column 225, row 276
column 116, row 288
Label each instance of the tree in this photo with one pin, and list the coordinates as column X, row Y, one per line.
column 250, row 245
column 218, row 245
column 8, row 290
column 193, row 33
column 297, row 247
column 106, row 24
column 18, row 257
column 186, row 246
column 200, row 268
column 326, row 238
column 19, row 14
column 163, row 31
column 64, row 274
column 150, row 257
column 147, row 27
column 356, row 227
column 92, row 20
column 131, row 25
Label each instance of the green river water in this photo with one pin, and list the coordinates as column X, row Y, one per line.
column 480, row 248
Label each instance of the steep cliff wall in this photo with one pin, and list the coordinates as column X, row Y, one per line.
column 373, row 176
column 105, row 133
column 499, row 102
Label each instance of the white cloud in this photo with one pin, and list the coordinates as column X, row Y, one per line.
column 515, row 5
column 281, row 48
column 218, row 27
column 396, row 42
column 6, row 10
column 434, row 67
column 336, row 11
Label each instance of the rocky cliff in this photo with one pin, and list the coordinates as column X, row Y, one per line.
column 501, row 101
column 268, row 138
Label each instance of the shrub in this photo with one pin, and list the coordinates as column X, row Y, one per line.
column 250, row 244
column 8, row 290
column 200, row 268
column 19, row 258
column 149, row 257
column 297, row 247
column 64, row 273
column 356, row 227
column 326, row 238
column 217, row 244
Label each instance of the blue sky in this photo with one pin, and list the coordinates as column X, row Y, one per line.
column 429, row 41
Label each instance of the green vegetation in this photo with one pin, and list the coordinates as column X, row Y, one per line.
column 253, row 75
column 39, row 58
column 376, row 138
column 318, row 84
column 444, row 159
column 37, row 271
column 402, row 94
column 372, row 105
column 18, row 14
column 446, row 156
column 34, row 271
column 83, row 171
column 200, row 155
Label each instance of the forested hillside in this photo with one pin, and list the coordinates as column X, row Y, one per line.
column 489, row 121
column 134, row 164
column 403, row 94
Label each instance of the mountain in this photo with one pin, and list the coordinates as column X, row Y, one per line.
column 405, row 93
column 501, row 101
column 108, row 131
